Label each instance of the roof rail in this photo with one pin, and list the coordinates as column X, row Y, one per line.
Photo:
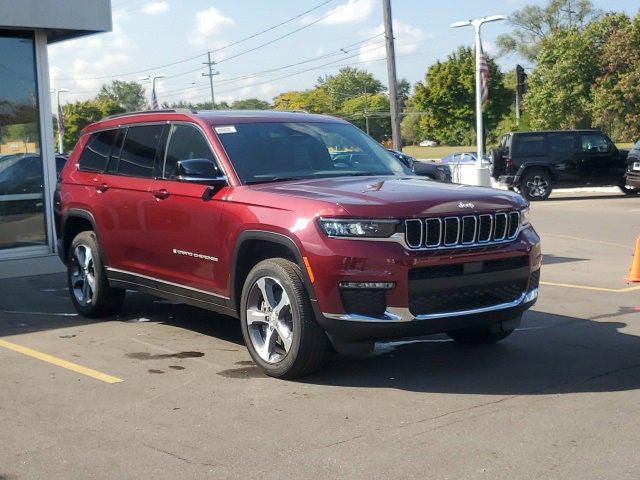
column 161, row 110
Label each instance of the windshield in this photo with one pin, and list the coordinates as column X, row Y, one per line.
column 267, row 152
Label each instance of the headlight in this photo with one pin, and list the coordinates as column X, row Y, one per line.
column 524, row 217
column 358, row 228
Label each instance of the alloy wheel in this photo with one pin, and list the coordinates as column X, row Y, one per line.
column 83, row 280
column 537, row 186
column 269, row 319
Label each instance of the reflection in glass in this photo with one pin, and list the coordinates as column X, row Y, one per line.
column 22, row 221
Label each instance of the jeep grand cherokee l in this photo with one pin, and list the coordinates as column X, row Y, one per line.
column 536, row 162
column 249, row 214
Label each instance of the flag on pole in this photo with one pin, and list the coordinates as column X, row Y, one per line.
column 154, row 99
column 484, row 76
column 60, row 120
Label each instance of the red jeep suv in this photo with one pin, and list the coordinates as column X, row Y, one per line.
column 300, row 225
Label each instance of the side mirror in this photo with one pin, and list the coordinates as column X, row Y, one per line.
column 199, row 170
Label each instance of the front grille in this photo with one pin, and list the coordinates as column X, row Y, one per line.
column 367, row 302
column 469, row 298
column 459, row 231
column 470, row 268
column 534, row 282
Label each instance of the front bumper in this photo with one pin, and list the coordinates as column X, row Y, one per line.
column 425, row 305
column 633, row 178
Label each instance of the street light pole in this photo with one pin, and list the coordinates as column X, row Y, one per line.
column 57, row 93
column 153, row 78
column 391, row 75
column 477, row 25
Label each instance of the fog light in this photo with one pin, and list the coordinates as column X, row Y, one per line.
column 369, row 285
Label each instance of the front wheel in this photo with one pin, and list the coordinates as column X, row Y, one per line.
column 535, row 185
column 628, row 190
column 278, row 323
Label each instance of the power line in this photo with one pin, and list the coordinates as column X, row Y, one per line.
column 183, row 60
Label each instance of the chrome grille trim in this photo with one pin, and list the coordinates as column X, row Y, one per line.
column 461, row 224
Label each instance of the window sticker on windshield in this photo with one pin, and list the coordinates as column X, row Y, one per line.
column 226, row 129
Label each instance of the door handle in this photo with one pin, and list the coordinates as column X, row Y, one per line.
column 160, row 194
column 103, row 187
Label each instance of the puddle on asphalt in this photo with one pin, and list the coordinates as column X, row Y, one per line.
column 248, row 370
column 160, row 356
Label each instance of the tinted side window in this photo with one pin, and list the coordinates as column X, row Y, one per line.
column 185, row 142
column 561, row 143
column 96, row 152
column 115, row 150
column 594, row 142
column 137, row 158
column 530, row 146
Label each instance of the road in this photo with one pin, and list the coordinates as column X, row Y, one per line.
column 167, row 391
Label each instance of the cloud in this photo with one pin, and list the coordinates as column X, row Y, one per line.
column 350, row 12
column 208, row 23
column 407, row 40
column 155, row 8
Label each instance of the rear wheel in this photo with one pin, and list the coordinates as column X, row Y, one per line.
column 90, row 291
column 278, row 323
column 535, row 185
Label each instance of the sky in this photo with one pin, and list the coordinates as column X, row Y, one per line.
column 171, row 37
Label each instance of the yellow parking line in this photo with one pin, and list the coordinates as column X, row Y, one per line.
column 597, row 289
column 74, row 367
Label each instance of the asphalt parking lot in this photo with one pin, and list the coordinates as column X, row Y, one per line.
column 169, row 391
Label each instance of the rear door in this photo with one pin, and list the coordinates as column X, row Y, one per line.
column 126, row 195
column 183, row 226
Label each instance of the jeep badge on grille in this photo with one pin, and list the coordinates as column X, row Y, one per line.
column 466, row 205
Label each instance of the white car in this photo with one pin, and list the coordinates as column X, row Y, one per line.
column 428, row 143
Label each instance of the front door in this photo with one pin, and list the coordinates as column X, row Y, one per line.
column 600, row 160
column 184, row 227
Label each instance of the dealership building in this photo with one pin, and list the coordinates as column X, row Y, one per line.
column 27, row 153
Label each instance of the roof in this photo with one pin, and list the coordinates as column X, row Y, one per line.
column 211, row 117
column 568, row 130
column 60, row 19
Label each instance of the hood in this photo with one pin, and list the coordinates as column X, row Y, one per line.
column 391, row 197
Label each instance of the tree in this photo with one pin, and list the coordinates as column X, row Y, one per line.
column 348, row 83
column 616, row 98
column 78, row 115
column 447, row 98
column 570, row 62
column 129, row 96
column 376, row 107
column 533, row 24
column 316, row 100
column 251, row 104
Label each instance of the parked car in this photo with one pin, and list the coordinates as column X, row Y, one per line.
column 434, row 171
column 632, row 176
column 428, row 143
column 464, row 158
column 536, row 162
column 249, row 215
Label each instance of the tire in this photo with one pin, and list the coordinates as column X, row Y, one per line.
column 91, row 294
column 300, row 346
column 535, row 185
column 484, row 336
column 497, row 166
column 629, row 190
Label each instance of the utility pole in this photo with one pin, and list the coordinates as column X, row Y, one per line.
column 391, row 74
column 57, row 93
column 366, row 110
column 210, row 63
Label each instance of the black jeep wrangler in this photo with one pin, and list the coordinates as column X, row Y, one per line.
column 536, row 162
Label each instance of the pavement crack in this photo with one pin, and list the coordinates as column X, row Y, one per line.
column 176, row 456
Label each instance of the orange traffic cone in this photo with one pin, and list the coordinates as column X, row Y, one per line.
column 634, row 271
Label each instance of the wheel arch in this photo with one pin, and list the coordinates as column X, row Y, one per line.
column 75, row 221
column 246, row 255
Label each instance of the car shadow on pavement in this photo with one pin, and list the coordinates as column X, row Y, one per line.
column 549, row 354
column 609, row 196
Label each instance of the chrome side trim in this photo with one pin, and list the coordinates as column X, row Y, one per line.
column 402, row 314
column 155, row 279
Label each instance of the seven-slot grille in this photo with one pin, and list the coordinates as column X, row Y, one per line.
column 464, row 230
